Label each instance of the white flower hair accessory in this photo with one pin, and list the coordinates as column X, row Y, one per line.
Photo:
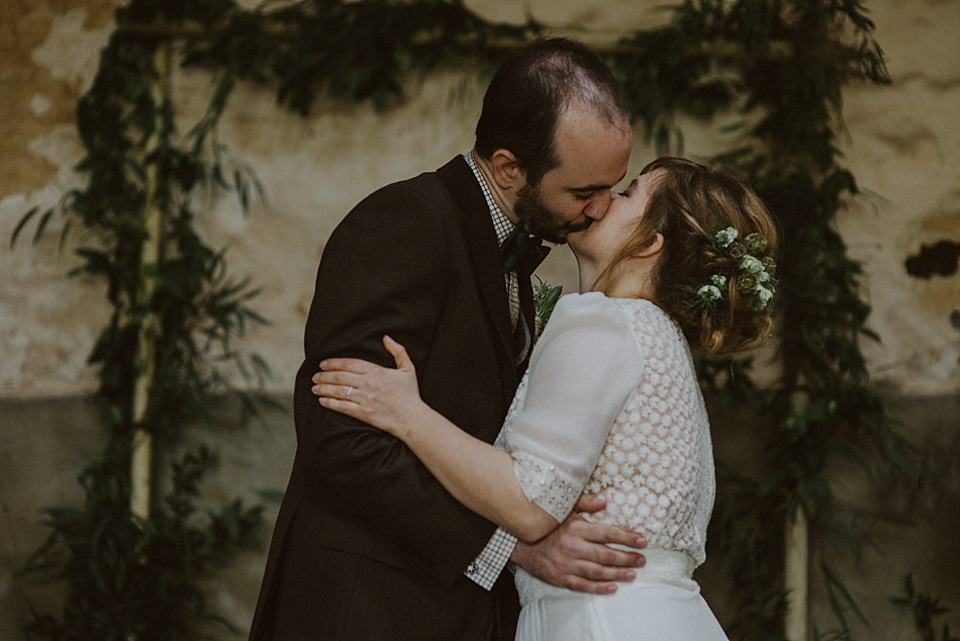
column 724, row 237
column 754, row 275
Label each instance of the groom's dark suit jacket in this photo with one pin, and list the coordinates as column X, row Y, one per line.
column 368, row 546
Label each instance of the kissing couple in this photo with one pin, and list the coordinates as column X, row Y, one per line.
column 445, row 444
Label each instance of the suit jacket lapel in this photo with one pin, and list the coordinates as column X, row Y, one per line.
column 484, row 251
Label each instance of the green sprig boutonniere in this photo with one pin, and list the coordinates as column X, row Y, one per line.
column 545, row 299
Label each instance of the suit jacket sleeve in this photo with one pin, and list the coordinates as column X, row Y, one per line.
column 383, row 272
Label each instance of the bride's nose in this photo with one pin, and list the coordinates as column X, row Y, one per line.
column 597, row 208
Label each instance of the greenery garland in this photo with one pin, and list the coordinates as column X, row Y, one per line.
column 784, row 61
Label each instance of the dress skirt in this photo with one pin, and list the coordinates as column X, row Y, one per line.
column 662, row 604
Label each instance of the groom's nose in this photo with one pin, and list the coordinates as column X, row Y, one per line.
column 598, row 205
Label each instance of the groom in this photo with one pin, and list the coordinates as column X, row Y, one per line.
column 368, row 546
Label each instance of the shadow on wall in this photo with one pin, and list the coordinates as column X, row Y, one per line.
column 940, row 259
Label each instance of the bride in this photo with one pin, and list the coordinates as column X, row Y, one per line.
column 610, row 404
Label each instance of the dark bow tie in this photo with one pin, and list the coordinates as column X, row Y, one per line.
column 522, row 253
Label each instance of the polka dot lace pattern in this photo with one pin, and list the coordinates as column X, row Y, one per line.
column 656, row 467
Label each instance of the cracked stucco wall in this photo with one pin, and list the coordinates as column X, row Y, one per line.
column 903, row 146
column 902, row 142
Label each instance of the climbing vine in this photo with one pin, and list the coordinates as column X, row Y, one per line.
column 780, row 64
column 133, row 575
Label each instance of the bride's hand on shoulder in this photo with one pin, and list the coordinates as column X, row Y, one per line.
column 388, row 399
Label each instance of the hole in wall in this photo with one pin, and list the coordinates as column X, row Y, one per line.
column 939, row 259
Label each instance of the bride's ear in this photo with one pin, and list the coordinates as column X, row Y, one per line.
column 654, row 247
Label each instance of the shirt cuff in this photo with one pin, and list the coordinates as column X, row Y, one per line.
column 486, row 568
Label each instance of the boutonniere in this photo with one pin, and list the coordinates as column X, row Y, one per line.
column 545, row 299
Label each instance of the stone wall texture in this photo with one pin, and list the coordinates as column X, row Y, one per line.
column 902, row 142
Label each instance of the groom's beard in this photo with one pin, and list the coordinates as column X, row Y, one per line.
column 537, row 219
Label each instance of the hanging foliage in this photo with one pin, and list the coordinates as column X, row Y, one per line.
column 781, row 63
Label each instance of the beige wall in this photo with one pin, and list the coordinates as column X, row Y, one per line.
column 903, row 145
column 313, row 171
column 902, row 142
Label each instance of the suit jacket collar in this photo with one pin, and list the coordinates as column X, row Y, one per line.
column 485, row 251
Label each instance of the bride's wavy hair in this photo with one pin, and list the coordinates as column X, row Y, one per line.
column 689, row 205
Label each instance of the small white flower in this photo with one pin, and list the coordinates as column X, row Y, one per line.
column 718, row 280
column 751, row 265
column 763, row 276
column 724, row 237
column 763, row 296
column 709, row 292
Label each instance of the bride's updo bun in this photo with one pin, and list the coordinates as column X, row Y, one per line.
column 715, row 275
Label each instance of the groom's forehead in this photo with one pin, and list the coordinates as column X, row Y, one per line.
column 591, row 159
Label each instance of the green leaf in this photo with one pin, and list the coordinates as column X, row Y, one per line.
column 20, row 225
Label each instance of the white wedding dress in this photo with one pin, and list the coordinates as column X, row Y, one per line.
column 611, row 405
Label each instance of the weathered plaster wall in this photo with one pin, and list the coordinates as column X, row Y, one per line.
column 902, row 144
column 49, row 53
column 313, row 171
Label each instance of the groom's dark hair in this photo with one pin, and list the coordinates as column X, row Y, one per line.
column 530, row 91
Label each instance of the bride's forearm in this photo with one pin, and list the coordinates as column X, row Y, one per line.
column 477, row 474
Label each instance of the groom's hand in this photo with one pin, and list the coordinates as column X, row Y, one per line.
column 575, row 555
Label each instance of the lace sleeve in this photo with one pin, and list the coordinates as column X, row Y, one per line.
column 583, row 370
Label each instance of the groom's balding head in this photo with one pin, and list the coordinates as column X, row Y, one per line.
column 530, row 92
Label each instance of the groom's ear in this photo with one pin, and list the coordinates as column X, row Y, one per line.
column 506, row 172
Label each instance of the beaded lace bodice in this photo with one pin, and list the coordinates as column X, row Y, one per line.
column 628, row 423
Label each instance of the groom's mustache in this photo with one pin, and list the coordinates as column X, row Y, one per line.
column 571, row 228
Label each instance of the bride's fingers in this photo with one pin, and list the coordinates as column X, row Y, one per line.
column 336, row 378
column 344, row 407
column 399, row 353
column 354, row 365
column 346, row 393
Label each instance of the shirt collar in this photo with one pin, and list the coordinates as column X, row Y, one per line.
column 501, row 224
